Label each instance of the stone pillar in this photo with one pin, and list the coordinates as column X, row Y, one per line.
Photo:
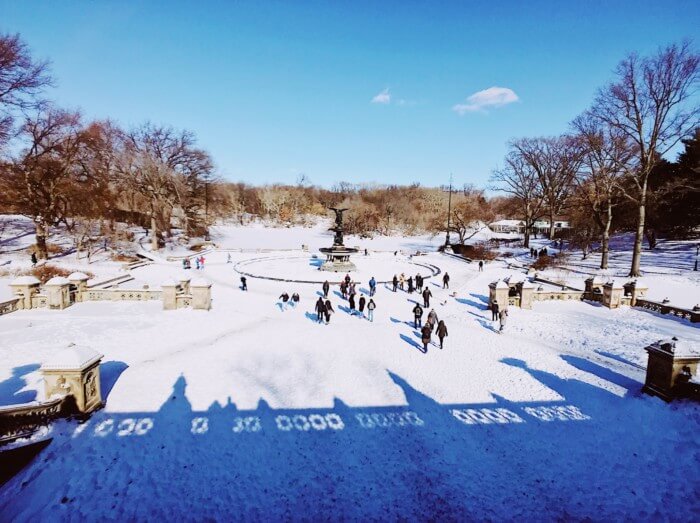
column 612, row 295
column 201, row 294
column 169, row 294
column 24, row 288
column 669, row 369
column 74, row 371
column 185, row 284
column 79, row 280
column 498, row 291
column 635, row 289
column 58, row 292
column 527, row 294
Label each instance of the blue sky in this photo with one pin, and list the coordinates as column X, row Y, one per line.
column 274, row 89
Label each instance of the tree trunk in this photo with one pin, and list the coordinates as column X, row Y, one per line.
column 635, row 269
column 605, row 244
column 42, row 252
column 154, row 233
column 551, row 224
column 526, row 242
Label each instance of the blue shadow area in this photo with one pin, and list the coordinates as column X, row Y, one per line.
column 109, row 374
column 11, row 387
column 585, row 457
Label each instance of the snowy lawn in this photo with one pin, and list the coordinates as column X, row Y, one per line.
column 248, row 411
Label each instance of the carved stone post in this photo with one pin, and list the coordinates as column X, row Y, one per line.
column 24, row 288
column 79, row 280
column 201, row 294
column 74, row 371
column 498, row 291
column 58, row 292
column 612, row 295
column 169, row 294
column 527, row 294
column 670, row 368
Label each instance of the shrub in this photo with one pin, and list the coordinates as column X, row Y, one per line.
column 121, row 257
column 475, row 252
column 544, row 262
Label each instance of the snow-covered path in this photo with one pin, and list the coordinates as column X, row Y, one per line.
column 250, row 412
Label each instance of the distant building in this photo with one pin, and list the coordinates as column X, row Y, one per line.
column 518, row 226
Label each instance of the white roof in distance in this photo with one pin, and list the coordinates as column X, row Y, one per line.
column 199, row 282
column 58, row 280
column 73, row 357
column 25, row 280
column 78, row 276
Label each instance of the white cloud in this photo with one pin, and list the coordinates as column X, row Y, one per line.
column 490, row 98
column 382, row 98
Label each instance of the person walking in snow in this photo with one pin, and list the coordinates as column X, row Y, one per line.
column 284, row 298
column 372, row 286
column 370, row 309
column 361, row 305
column 441, row 331
column 326, row 288
column 201, row 262
column 295, row 299
column 320, row 309
column 347, row 279
column 344, row 289
column 402, row 281
column 395, row 282
column 352, row 290
column 328, row 311
column 494, row 310
column 228, row 258
column 34, row 260
column 351, row 302
column 432, row 319
column 426, row 297
column 425, row 332
column 419, row 283
column 481, row 265
column 196, row 263
column 503, row 316
column 417, row 316
column 410, row 284
column 244, row 283
column 446, row 281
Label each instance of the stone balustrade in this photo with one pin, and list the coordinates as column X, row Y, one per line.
column 6, row 307
column 672, row 370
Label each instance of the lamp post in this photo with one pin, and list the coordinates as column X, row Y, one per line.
column 449, row 213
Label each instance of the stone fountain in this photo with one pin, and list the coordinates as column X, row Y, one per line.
column 338, row 256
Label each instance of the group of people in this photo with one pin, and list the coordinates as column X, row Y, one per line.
column 499, row 314
column 400, row 282
column 348, row 290
column 285, row 301
column 534, row 253
column 198, row 260
column 432, row 324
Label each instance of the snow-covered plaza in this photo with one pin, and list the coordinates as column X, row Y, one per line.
column 248, row 411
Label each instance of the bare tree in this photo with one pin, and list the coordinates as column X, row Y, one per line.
column 607, row 155
column 519, row 179
column 41, row 180
column 22, row 80
column 471, row 214
column 555, row 161
column 650, row 103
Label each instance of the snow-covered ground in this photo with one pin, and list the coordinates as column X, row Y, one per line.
column 251, row 412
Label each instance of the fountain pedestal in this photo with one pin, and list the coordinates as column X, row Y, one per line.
column 338, row 255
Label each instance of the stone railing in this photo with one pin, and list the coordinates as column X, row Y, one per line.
column 6, row 307
column 40, row 301
column 121, row 295
column 17, row 421
column 563, row 295
column 664, row 308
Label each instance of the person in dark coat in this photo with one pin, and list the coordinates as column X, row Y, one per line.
column 494, row 311
column 320, row 309
column 441, row 331
column 395, row 282
column 326, row 288
column 372, row 286
column 352, row 304
column 446, row 281
column 244, row 283
column 328, row 311
column 425, row 337
column 410, row 284
column 481, row 265
column 347, row 279
column 417, row 316
column 361, row 305
column 295, row 299
column 34, row 260
column 370, row 309
column 284, row 298
column 344, row 289
column 419, row 282
column 426, row 297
